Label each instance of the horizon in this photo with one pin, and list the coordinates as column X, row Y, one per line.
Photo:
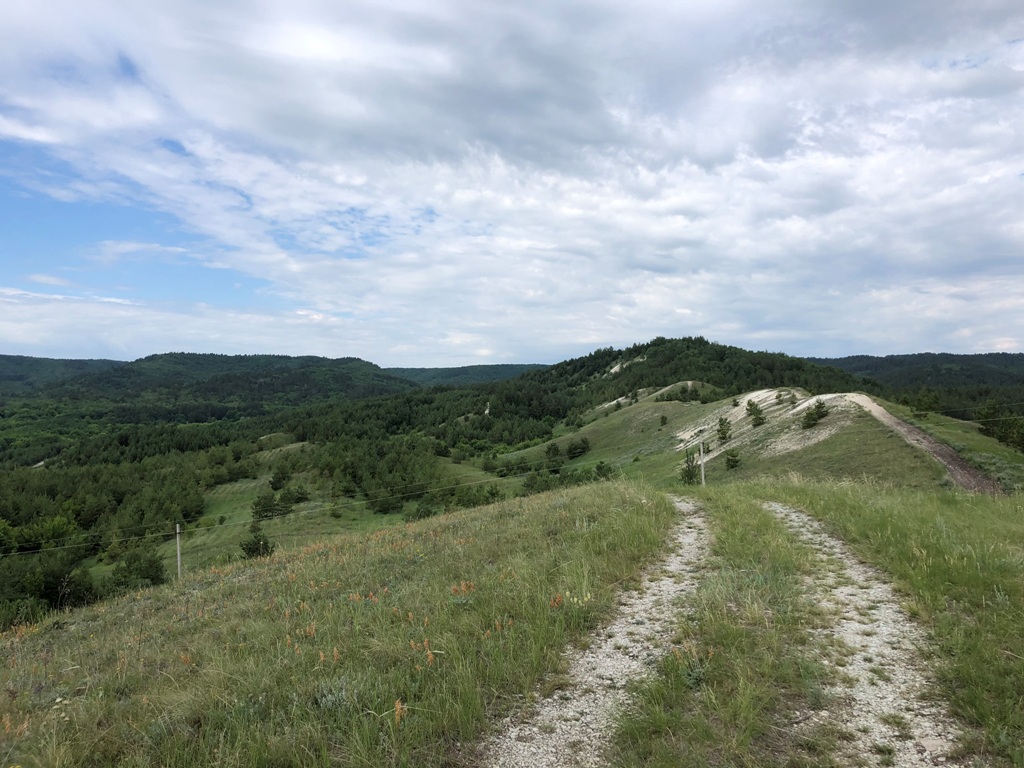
column 468, row 365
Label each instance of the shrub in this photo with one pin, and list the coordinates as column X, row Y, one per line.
column 257, row 545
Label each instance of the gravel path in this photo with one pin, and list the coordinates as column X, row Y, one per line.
column 884, row 699
column 572, row 727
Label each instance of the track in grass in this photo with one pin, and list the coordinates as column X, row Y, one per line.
column 572, row 727
column 884, row 702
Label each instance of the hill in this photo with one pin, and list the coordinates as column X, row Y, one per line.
column 956, row 384
column 20, row 375
column 529, row 508
column 938, row 370
column 463, row 376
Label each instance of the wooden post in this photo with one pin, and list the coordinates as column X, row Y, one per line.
column 177, row 539
column 702, row 462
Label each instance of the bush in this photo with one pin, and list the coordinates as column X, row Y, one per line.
column 689, row 473
column 257, row 545
column 814, row 414
column 138, row 568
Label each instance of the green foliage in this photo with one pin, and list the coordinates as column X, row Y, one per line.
column 577, row 448
column 724, row 429
column 732, row 458
column 689, row 473
column 814, row 414
column 257, row 545
column 138, row 568
column 756, row 413
column 268, row 505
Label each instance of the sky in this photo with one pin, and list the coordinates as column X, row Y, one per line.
column 460, row 182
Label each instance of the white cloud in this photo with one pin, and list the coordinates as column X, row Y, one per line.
column 456, row 179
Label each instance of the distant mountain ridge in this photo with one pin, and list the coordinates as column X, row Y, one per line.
column 469, row 374
column 20, row 374
column 931, row 369
column 963, row 386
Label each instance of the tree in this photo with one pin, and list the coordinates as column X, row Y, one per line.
column 266, row 506
column 732, row 458
column 814, row 414
column 257, row 545
column 281, row 476
column 724, row 429
column 756, row 413
column 690, row 471
column 553, row 457
column 138, row 568
column 577, row 448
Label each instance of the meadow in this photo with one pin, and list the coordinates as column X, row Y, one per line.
column 395, row 647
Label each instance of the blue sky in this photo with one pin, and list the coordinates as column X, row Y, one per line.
column 457, row 182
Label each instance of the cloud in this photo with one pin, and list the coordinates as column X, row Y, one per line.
column 454, row 180
column 49, row 280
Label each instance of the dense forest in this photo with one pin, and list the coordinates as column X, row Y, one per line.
column 98, row 466
column 987, row 388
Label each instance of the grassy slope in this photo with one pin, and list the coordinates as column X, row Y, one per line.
column 387, row 649
column 987, row 453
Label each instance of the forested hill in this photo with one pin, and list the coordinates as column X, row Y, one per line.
column 250, row 383
column 174, row 389
column 20, row 375
column 465, row 375
column 927, row 369
column 959, row 384
column 608, row 373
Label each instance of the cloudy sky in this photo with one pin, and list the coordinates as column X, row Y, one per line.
column 450, row 182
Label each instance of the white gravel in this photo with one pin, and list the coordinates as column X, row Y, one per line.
column 572, row 727
column 884, row 700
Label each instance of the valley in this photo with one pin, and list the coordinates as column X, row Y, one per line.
column 511, row 572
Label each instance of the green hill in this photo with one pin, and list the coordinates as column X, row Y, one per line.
column 21, row 375
column 438, row 549
column 459, row 377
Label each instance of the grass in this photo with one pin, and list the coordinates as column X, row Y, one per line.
column 958, row 558
column 745, row 664
column 1000, row 461
column 390, row 648
column 864, row 449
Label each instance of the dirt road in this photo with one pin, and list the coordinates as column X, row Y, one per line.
column 963, row 474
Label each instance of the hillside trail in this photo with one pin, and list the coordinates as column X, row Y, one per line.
column 884, row 700
column 963, row 474
column 572, row 727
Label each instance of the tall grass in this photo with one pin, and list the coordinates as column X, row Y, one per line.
column 391, row 648
column 728, row 693
column 959, row 559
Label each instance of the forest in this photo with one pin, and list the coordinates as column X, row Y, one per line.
column 100, row 462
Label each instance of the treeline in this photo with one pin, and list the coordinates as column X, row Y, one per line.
column 959, row 385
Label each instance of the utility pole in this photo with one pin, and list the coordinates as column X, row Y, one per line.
column 177, row 539
column 702, row 462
